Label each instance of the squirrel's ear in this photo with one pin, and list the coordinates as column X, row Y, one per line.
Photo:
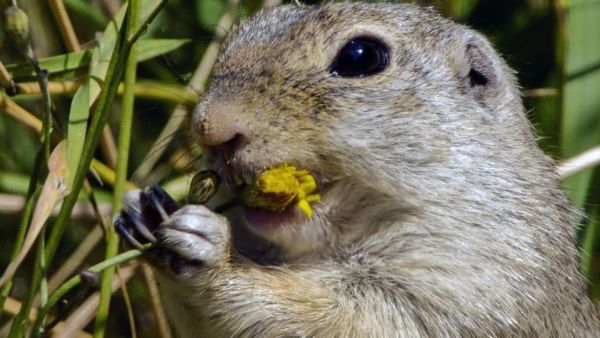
column 479, row 70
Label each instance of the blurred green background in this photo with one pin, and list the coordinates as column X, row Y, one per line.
column 553, row 45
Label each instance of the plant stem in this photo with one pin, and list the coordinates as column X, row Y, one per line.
column 39, row 281
column 20, row 114
column 76, row 280
column 136, row 32
column 64, row 24
column 196, row 85
column 5, row 78
column 112, row 245
column 109, row 89
column 29, row 120
column 108, row 93
column 43, row 267
column 99, row 119
column 47, row 120
column 32, row 195
column 146, row 89
column 47, row 144
column 19, row 325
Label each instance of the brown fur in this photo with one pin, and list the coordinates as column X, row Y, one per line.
column 440, row 216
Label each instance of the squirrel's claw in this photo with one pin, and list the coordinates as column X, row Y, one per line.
column 161, row 201
column 186, row 239
column 121, row 224
column 143, row 212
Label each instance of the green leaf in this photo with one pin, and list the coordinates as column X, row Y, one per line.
column 581, row 102
column 209, row 12
column 459, row 9
column 77, row 61
column 86, row 11
column 87, row 94
column 78, row 118
column 13, row 183
column 151, row 48
column 580, row 129
column 55, row 65
column 53, row 191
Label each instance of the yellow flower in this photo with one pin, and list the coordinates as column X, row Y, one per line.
column 277, row 188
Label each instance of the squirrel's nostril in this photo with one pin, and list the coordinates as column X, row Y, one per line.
column 216, row 124
column 228, row 148
column 236, row 142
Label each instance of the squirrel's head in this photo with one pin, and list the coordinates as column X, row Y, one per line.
column 387, row 105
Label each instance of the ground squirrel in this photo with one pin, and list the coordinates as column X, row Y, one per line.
column 439, row 215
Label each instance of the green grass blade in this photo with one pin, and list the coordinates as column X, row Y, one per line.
column 55, row 65
column 581, row 102
column 86, row 12
column 76, row 280
column 87, row 94
column 126, row 119
column 78, row 61
column 33, row 192
column 78, row 118
column 14, row 183
column 99, row 119
column 151, row 48
column 580, row 121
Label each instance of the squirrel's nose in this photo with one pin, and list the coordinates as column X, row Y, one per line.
column 217, row 124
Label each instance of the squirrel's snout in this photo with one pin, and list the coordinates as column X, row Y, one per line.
column 219, row 124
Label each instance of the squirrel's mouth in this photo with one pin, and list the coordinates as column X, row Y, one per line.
column 272, row 197
column 264, row 220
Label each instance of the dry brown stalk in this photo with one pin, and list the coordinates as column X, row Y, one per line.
column 65, row 26
column 81, row 316
column 12, row 307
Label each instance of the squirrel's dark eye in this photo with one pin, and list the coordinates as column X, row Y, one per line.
column 360, row 57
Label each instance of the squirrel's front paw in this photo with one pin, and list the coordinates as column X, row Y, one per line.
column 186, row 239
